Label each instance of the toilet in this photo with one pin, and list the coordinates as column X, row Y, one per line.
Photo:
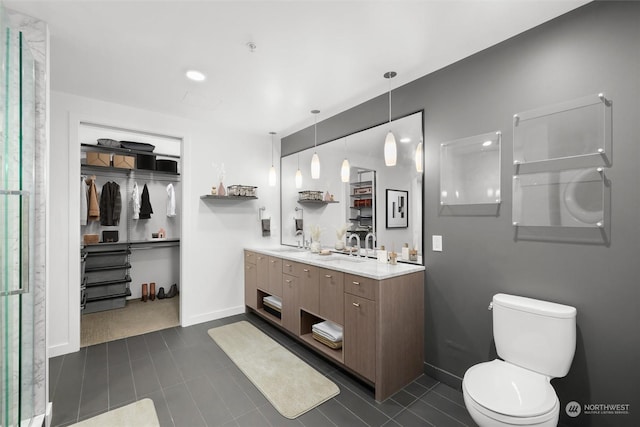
column 536, row 341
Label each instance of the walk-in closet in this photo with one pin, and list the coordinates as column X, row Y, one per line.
column 130, row 198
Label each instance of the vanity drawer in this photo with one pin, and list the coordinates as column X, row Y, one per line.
column 291, row 268
column 360, row 286
column 249, row 257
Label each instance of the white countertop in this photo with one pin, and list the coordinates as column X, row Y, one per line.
column 366, row 267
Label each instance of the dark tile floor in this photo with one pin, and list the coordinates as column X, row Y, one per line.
column 193, row 383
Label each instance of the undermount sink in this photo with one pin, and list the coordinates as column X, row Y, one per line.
column 286, row 250
column 344, row 259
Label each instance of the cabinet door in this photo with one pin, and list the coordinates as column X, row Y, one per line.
column 291, row 268
column 275, row 276
column 262, row 266
column 250, row 289
column 309, row 290
column 359, row 341
column 290, row 304
column 331, row 295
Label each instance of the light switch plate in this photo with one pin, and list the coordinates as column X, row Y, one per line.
column 436, row 242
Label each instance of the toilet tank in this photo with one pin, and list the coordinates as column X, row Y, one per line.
column 536, row 335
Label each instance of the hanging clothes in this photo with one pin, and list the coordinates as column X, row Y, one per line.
column 84, row 201
column 145, row 206
column 110, row 204
column 171, row 201
column 94, row 207
column 135, row 198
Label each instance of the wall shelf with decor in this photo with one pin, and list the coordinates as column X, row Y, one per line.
column 317, row 202
column 218, row 197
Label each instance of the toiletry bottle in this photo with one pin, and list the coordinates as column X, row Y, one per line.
column 393, row 257
column 382, row 255
column 405, row 252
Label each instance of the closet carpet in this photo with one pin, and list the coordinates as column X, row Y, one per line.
column 136, row 318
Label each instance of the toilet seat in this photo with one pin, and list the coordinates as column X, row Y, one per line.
column 509, row 393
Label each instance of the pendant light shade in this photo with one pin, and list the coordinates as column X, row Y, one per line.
column 345, row 171
column 315, row 160
column 272, row 171
column 419, row 158
column 298, row 178
column 315, row 166
column 390, row 149
column 298, row 175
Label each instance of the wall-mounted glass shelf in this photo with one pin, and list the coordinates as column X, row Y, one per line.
column 317, row 202
column 217, row 197
column 570, row 198
column 470, row 170
column 580, row 128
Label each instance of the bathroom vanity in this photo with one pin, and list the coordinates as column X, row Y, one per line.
column 379, row 306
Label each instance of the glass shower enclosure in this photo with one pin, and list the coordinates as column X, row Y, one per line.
column 17, row 190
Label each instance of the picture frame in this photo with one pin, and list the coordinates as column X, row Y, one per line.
column 397, row 202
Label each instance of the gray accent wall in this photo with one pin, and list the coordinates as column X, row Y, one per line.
column 593, row 49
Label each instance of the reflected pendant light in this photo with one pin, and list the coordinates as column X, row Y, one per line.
column 345, row 171
column 390, row 149
column 419, row 158
column 272, row 171
column 298, row 175
column 315, row 160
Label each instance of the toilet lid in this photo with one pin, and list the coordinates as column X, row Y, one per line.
column 510, row 390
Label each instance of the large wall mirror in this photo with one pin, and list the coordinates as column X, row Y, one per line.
column 386, row 201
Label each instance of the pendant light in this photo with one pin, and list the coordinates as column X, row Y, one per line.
column 272, row 171
column 390, row 150
column 345, row 171
column 298, row 174
column 315, row 160
column 419, row 158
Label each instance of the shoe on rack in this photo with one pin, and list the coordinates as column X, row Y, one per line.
column 152, row 291
column 145, row 293
column 161, row 294
column 173, row 291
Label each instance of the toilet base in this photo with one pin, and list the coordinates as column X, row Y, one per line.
column 486, row 418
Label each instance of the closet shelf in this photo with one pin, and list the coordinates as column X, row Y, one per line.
column 104, row 149
column 102, row 170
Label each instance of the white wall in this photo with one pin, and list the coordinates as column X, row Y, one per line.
column 213, row 233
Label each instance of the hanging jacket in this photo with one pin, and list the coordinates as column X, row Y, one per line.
column 94, row 207
column 135, row 198
column 171, row 201
column 110, row 204
column 84, row 200
column 145, row 206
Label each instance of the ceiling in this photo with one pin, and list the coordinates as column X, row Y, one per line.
column 326, row 55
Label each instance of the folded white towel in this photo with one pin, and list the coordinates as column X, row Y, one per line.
column 273, row 300
column 330, row 330
column 326, row 336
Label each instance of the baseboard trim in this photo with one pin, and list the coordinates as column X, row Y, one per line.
column 443, row 376
column 212, row 315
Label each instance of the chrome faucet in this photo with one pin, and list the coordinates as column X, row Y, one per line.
column 302, row 245
column 351, row 236
column 366, row 243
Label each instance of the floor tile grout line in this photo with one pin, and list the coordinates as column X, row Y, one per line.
column 439, row 410
column 84, row 367
column 406, row 409
column 450, row 400
column 326, row 416
column 356, row 415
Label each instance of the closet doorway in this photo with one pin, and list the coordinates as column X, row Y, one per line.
column 130, row 230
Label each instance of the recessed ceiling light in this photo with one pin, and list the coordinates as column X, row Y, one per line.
column 487, row 143
column 195, row 75
column 405, row 140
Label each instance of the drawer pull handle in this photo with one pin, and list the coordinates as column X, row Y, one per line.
column 288, row 281
column 260, row 257
column 273, row 262
column 356, row 304
column 287, row 265
column 328, row 276
column 356, row 283
column 306, row 270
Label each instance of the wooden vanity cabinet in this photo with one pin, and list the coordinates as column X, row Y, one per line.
column 383, row 320
column 331, row 295
column 309, row 288
column 250, row 280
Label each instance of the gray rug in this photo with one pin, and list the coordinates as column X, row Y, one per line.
column 292, row 386
column 137, row 414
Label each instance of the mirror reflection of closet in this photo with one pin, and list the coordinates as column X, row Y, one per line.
column 365, row 151
column 114, row 274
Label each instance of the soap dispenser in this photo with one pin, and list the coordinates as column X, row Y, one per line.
column 382, row 255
